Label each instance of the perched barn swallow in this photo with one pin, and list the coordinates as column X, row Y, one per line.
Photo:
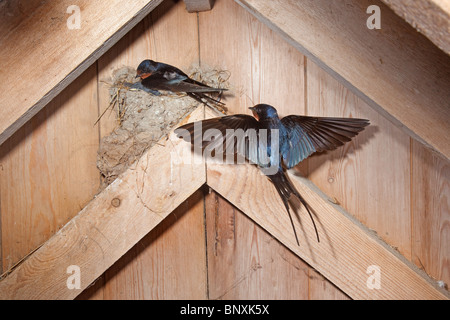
column 157, row 76
column 295, row 138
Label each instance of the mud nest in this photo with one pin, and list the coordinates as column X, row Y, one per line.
column 143, row 119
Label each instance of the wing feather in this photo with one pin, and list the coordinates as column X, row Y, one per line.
column 307, row 135
column 235, row 131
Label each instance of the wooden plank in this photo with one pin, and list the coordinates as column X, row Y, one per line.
column 13, row 12
column 347, row 250
column 322, row 289
column 395, row 70
column 198, row 5
column 384, row 207
column 172, row 255
column 259, row 61
column 42, row 55
column 168, row 263
column 430, row 196
column 430, row 17
column 256, row 75
column 1, row 231
column 109, row 225
column 154, row 37
column 49, row 169
column 245, row 262
column 168, row 25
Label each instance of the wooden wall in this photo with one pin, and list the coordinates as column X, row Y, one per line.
column 207, row 248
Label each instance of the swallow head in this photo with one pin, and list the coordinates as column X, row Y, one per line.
column 264, row 111
column 146, row 68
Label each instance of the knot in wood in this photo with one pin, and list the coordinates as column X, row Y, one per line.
column 115, row 202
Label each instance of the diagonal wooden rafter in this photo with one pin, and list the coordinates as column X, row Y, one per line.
column 111, row 224
column 400, row 74
column 430, row 17
column 395, row 70
column 348, row 252
column 43, row 54
column 161, row 180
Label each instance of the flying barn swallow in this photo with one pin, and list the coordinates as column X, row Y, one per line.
column 157, row 76
column 298, row 138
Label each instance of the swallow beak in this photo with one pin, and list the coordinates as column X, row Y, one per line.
column 143, row 75
column 138, row 73
column 254, row 113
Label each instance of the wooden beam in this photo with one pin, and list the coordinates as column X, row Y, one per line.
column 110, row 224
column 198, row 5
column 347, row 248
column 348, row 252
column 145, row 194
column 430, row 17
column 45, row 51
column 395, row 70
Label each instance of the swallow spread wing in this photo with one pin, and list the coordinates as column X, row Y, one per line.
column 307, row 135
column 297, row 138
column 157, row 76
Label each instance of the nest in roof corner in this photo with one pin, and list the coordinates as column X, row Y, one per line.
column 143, row 119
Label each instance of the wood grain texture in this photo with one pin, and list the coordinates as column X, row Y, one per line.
column 368, row 181
column 48, row 172
column 245, row 262
column 322, row 289
column 43, row 55
column 161, row 36
column 252, row 53
column 13, row 12
column 431, row 212
column 430, row 17
column 264, row 69
column 198, row 5
column 168, row 263
column 347, row 248
column 395, row 70
column 109, row 225
column 136, row 275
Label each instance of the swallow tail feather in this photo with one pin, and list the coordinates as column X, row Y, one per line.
column 285, row 190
